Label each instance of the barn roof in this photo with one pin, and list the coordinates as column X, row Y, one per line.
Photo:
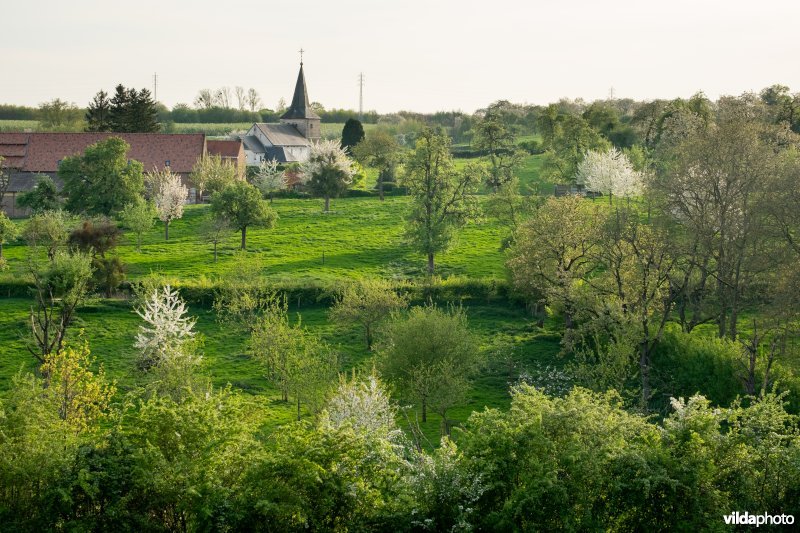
column 227, row 148
column 43, row 151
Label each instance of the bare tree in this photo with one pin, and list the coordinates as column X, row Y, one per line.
column 241, row 98
column 253, row 99
column 223, row 97
column 204, row 99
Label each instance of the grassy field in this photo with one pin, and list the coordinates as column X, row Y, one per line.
column 361, row 236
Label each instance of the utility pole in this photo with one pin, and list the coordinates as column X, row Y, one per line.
column 611, row 93
column 361, row 96
column 155, row 87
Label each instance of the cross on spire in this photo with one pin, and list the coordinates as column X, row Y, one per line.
column 301, row 56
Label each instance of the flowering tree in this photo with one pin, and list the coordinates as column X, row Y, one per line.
column 169, row 199
column 166, row 330
column 328, row 171
column 364, row 405
column 610, row 173
column 269, row 178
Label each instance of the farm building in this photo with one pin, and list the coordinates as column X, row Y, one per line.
column 27, row 155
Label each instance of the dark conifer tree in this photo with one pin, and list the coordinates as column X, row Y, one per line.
column 98, row 114
column 352, row 134
column 120, row 110
column 143, row 112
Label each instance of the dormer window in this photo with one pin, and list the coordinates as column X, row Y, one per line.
column 166, row 163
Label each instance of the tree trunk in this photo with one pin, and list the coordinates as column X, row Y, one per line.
column 430, row 263
column 298, row 408
column 424, row 410
column 1, row 249
column 215, row 252
column 166, row 230
column 644, row 371
column 138, row 243
column 327, row 203
column 244, row 236
column 368, row 335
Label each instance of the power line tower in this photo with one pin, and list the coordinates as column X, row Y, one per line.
column 155, row 87
column 361, row 96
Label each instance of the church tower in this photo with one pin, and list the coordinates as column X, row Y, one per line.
column 300, row 115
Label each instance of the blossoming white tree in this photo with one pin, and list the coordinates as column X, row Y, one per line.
column 610, row 173
column 364, row 405
column 167, row 328
column 269, row 178
column 328, row 171
column 169, row 199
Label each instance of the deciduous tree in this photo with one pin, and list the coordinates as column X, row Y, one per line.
column 442, row 196
column 139, row 217
column 102, row 180
column 169, row 198
column 367, row 302
column 241, row 205
column 430, row 356
column 328, row 172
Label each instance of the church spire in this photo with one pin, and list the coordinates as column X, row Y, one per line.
column 300, row 107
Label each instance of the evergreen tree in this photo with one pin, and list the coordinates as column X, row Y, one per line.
column 119, row 115
column 143, row 114
column 98, row 115
column 352, row 134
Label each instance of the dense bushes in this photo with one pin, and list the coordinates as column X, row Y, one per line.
column 197, row 462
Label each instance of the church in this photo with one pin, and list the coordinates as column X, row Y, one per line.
column 287, row 142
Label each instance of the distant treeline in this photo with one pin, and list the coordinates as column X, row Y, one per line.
column 183, row 113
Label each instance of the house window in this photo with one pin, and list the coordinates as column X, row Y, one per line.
column 59, row 163
column 166, row 163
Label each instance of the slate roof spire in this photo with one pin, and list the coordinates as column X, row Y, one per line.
column 300, row 107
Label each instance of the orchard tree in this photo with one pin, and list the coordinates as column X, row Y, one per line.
column 60, row 287
column 8, row 231
column 497, row 141
column 241, row 205
column 170, row 198
column 269, row 178
column 48, row 229
column 43, row 197
column 429, row 356
column 610, row 173
column 167, row 330
column 214, row 230
column 442, row 196
column 212, row 173
column 566, row 139
column 352, row 134
column 367, row 302
column 139, row 217
column 379, row 150
column 297, row 362
column 363, row 403
column 328, row 172
column 102, row 180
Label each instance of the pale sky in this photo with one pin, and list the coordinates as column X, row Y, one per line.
column 421, row 55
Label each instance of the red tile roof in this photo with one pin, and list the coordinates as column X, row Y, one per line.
column 45, row 150
column 224, row 148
